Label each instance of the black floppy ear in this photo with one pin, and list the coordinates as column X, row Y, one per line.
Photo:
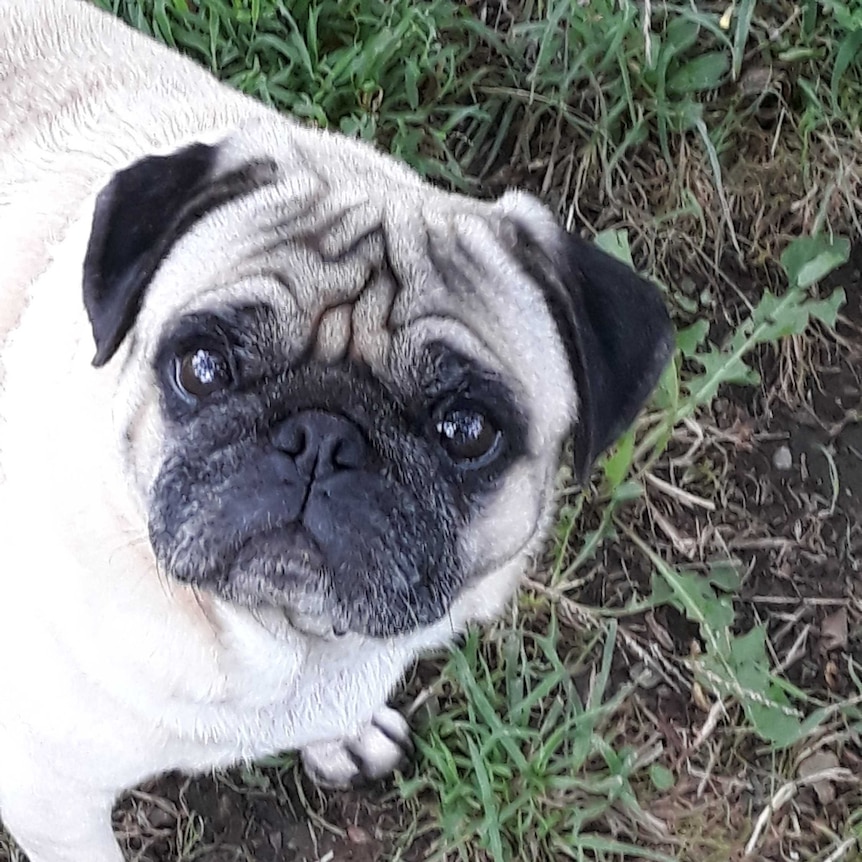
column 138, row 217
column 615, row 329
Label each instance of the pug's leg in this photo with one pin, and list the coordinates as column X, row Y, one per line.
column 374, row 751
column 62, row 828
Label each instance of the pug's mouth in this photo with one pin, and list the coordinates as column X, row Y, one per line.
column 282, row 575
column 358, row 554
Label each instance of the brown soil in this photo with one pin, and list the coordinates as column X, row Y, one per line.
column 260, row 814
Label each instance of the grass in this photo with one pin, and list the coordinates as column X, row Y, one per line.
column 524, row 762
column 681, row 122
column 395, row 72
column 676, row 682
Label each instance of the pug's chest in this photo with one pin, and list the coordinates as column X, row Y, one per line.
column 256, row 711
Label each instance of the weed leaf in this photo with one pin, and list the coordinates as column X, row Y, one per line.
column 705, row 72
column 661, row 777
column 808, row 259
column 616, row 244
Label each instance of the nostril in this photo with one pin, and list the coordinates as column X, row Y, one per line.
column 348, row 454
column 320, row 443
column 292, row 439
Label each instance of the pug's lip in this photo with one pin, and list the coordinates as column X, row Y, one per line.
column 320, row 626
column 290, row 543
column 282, row 622
column 300, row 601
column 276, row 608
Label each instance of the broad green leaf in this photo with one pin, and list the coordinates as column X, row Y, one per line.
column 745, row 673
column 724, row 575
column 690, row 338
column 719, row 367
column 666, row 395
column 826, row 310
column 617, row 465
column 749, row 653
column 680, row 34
column 705, row 72
column 695, row 597
column 773, row 318
column 661, row 777
column 808, row 259
column 772, row 723
column 616, row 244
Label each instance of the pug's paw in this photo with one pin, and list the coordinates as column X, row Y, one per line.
column 377, row 749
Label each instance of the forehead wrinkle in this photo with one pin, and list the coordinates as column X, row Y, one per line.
column 345, row 318
column 457, row 269
column 372, row 329
column 324, row 261
column 333, row 274
column 320, row 218
column 455, row 334
column 445, row 283
column 433, row 259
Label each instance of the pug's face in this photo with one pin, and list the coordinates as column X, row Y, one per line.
column 341, row 392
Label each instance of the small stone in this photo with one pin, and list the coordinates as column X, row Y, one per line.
column 159, row 818
column 357, row 835
column 815, row 764
column 783, row 458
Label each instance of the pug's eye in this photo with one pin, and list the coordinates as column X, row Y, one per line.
column 202, row 372
column 468, row 435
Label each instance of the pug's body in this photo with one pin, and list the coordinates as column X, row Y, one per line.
column 318, row 437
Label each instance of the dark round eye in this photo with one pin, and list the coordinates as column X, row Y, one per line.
column 202, row 372
column 467, row 434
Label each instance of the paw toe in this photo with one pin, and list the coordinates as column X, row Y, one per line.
column 379, row 748
column 330, row 764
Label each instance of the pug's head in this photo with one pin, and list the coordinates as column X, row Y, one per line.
column 341, row 392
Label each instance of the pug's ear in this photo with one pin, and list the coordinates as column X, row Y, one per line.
column 613, row 324
column 138, row 217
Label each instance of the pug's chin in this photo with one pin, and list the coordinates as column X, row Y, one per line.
column 295, row 600
column 284, row 622
column 282, row 574
column 281, row 579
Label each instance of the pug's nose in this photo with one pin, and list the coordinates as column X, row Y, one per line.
column 320, row 444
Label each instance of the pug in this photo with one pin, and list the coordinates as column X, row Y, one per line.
column 276, row 417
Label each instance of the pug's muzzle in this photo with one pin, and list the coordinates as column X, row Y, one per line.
column 326, row 512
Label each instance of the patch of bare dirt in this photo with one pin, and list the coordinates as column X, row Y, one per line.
column 782, row 466
column 258, row 814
